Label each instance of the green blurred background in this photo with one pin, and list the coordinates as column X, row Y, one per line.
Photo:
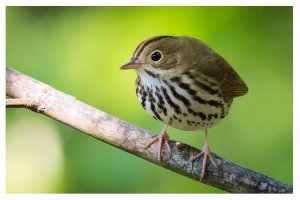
column 79, row 50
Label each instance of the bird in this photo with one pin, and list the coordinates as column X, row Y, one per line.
column 184, row 84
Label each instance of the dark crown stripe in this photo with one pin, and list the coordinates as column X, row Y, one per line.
column 142, row 46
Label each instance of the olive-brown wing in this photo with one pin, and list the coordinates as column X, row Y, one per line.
column 230, row 83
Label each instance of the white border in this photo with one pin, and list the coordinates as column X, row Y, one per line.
column 296, row 139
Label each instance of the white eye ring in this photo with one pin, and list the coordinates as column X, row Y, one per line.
column 156, row 55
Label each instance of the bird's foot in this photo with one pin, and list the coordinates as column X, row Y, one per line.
column 206, row 154
column 163, row 138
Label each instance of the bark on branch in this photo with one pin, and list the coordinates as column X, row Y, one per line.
column 39, row 97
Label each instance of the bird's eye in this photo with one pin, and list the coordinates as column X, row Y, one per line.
column 156, row 55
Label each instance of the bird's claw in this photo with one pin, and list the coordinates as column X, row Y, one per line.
column 163, row 138
column 206, row 154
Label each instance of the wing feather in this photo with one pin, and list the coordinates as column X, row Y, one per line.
column 215, row 67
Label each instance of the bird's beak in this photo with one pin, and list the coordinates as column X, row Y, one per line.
column 131, row 65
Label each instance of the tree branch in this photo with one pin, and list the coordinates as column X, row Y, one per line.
column 22, row 102
column 39, row 97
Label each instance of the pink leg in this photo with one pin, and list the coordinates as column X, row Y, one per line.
column 163, row 138
column 206, row 153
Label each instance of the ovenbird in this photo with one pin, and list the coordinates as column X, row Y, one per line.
column 183, row 83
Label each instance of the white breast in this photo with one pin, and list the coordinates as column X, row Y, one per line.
column 181, row 108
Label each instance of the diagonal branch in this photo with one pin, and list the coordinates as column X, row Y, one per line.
column 39, row 97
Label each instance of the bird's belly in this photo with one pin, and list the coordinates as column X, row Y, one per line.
column 180, row 109
column 199, row 118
